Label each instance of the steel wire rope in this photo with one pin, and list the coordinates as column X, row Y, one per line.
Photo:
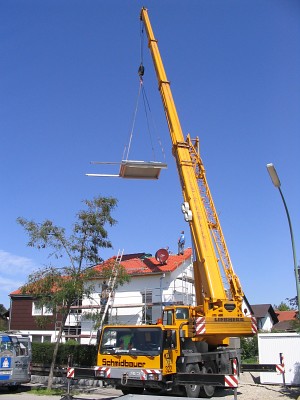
column 141, row 72
column 134, row 119
column 145, row 98
column 145, row 102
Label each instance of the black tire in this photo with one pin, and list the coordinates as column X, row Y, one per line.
column 13, row 389
column 133, row 390
column 192, row 390
column 207, row 391
column 154, row 390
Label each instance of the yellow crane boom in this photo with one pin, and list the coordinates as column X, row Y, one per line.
column 210, row 247
column 189, row 350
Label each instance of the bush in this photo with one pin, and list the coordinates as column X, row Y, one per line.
column 249, row 348
column 83, row 355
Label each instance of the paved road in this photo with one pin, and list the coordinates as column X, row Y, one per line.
column 25, row 394
column 96, row 394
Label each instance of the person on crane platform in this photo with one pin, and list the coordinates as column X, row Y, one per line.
column 181, row 242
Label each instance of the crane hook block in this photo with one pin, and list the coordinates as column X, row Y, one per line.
column 141, row 70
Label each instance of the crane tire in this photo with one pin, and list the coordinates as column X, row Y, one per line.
column 133, row 390
column 207, row 391
column 192, row 390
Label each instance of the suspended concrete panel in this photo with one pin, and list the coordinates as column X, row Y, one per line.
column 136, row 170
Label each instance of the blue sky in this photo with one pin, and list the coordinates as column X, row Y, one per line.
column 68, row 93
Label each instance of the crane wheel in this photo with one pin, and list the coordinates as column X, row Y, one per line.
column 192, row 390
column 133, row 390
column 208, row 391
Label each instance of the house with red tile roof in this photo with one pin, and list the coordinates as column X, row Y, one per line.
column 153, row 284
column 155, row 281
column 286, row 319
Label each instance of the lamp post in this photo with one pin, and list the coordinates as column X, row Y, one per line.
column 275, row 179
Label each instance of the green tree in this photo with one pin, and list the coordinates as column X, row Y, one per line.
column 2, row 309
column 58, row 288
column 3, row 320
column 293, row 302
column 249, row 348
column 282, row 307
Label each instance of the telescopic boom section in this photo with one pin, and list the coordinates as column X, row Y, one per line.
column 206, row 248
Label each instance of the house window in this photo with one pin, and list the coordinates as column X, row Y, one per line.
column 41, row 338
column 74, row 309
column 37, row 338
column 40, row 310
column 147, row 306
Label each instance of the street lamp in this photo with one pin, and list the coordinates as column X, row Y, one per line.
column 275, row 179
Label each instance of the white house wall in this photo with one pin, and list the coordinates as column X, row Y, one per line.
column 266, row 323
column 41, row 334
column 128, row 303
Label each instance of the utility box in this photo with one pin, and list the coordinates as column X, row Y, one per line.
column 270, row 345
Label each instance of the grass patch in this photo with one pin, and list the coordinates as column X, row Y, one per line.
column 252, row 360
column 45, row 391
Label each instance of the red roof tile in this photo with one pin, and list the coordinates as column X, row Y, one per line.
column 142, row 264
column 286, row 315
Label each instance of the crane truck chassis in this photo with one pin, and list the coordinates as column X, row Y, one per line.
column 189, row 350
column 161, row 358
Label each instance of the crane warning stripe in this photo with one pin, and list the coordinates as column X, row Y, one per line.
column 253, row 325
column 280, row 368
column 234, row 366
column 144, row 373
column 151, row 371
column 231, row 381
column 200, row 326
column 70, row 373
column 107, row 370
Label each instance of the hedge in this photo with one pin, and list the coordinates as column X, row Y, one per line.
column 83, row 355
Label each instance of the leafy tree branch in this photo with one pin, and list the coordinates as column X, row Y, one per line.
column 57, row 289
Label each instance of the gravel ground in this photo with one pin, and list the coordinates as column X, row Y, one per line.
column 249, row 389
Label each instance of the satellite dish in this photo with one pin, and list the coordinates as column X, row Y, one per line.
column 162, row 255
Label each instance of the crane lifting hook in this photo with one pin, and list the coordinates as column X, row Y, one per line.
column 141, row 71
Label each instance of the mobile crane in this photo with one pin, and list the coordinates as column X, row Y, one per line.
column 189, row 348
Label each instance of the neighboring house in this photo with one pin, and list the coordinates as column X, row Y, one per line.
column 151, row 286
column 265, row 316
column 247, row 309
column 27, row 317
column 285, row 319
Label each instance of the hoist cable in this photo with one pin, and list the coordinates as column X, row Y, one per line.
column 145, row 101
column 147, row 108
column 134, row 118
column 141, row 73
column 142, row 41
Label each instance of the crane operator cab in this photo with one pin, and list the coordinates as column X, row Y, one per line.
column 175, row 315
